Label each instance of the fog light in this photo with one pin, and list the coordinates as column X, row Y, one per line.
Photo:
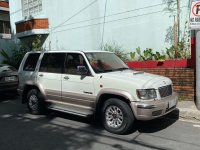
column 157, row 113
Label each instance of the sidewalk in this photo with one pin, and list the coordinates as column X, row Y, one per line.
column 188, row 110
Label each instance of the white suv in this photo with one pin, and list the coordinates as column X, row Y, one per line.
column 93, row 83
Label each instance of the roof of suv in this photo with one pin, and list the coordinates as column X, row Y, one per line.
column 73, row 51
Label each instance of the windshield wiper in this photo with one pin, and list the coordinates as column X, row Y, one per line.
column 111, row 70
column 104, row 71
column 108, row 70
column 121, row 69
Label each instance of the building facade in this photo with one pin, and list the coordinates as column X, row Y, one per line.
column 5, row 30
column 88, row 24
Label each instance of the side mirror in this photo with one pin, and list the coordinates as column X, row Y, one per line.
column 82, row 70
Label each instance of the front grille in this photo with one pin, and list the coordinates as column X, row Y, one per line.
column 165, row 91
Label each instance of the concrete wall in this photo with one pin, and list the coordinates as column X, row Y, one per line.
column 79, row 24
column 5, row 44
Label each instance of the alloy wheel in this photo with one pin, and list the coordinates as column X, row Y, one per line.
column 114, row 116
column 33, row 102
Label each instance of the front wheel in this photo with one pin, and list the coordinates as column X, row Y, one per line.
column 34, row 102
column 117, row 116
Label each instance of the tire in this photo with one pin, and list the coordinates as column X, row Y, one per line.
column 117, row 116
column 35, row 103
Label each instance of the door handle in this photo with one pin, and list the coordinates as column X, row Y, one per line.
column 41, row 75
column 66, row 78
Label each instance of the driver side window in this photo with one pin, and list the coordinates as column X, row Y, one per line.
column 74, row 60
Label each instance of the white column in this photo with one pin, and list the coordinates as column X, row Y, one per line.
column 198, row 69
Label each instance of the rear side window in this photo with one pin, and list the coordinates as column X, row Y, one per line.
column 52, row 62
column 31, row 62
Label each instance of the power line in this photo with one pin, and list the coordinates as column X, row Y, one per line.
column 115, row 20
column 128, row 11
column 108, row 21
column 132, row 10
column 19, row 10
column 75, row 14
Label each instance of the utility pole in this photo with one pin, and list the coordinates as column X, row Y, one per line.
column 175, row 37
column 195, row 27
column 178, row 20
column 197, row 69
column 104, row 20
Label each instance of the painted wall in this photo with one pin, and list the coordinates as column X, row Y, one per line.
column 81, row 24
column 5, row 44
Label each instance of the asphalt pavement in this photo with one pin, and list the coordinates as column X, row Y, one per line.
column 20, row 130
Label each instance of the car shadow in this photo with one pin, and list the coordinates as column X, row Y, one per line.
column 8, row 96
column 140, row 126
column 90, row 120
column 71, row 131
column 157, row 124
column 48, row 134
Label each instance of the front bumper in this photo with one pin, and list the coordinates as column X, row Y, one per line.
column 154, row 109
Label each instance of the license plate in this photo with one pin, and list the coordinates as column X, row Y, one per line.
column 172, row 103
column 12, row 78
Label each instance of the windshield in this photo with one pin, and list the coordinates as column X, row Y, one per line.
column 105, row 62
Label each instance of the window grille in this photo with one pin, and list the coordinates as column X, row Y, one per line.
column 31, row 7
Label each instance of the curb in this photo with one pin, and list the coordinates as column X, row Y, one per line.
column 185, row 110
column 188, row 111
column 189, row 114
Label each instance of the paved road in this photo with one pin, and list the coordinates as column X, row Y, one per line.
column 20, row 130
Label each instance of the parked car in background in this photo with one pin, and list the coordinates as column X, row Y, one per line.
column 8, row 79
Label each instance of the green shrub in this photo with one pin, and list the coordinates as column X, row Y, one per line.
column 147, row 54
column 159, row 57
column 18, row 52
column 118, row 50
column 181, row 52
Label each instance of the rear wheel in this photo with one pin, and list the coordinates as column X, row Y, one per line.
column 35, row 102
column 117, row 116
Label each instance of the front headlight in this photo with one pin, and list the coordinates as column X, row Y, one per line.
column 146, row 94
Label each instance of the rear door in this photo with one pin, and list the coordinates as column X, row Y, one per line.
column 49, row 75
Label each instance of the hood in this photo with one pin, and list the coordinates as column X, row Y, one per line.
column 140, row 79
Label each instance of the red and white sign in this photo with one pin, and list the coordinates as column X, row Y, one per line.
column 195, row 15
